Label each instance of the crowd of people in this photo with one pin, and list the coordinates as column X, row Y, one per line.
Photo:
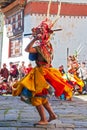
column 16, row 72
column 9, row 75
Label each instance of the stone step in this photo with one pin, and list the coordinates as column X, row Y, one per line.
column 54, row 125
column 28, row 126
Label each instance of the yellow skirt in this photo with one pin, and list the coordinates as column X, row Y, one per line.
column 40, row 78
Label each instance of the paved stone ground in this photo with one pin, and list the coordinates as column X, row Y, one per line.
column 17, row 115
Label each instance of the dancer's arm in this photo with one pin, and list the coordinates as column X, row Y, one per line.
column 29, row 48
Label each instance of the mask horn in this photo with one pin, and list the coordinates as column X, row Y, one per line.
column 48, row 10
column 58, row 14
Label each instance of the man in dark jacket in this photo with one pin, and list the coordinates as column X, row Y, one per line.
column 4, row 72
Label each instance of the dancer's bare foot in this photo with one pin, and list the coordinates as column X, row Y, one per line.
column 41, row 123
column 53, row 117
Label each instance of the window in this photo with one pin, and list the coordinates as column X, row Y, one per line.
column 16, row 22
column 16, row 47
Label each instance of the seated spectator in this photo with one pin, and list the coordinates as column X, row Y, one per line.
column 13, row 71
column 4, row 72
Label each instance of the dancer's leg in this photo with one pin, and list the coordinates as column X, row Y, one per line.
column 42, row 114
column 49, row 109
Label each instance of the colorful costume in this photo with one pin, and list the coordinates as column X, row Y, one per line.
column 43, row 75
column 73, row 74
